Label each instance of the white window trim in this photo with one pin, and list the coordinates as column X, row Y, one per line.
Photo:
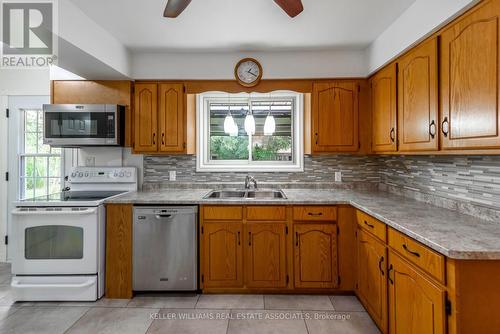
column 202, row 158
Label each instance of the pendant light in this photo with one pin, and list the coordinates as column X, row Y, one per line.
column 270, row 124
column 250, row 122
column 233, row 131
column 228, row 122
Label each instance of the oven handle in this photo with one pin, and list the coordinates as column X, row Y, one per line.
column 19, row 212
column 16, row 284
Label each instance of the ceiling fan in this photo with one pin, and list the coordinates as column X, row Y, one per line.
column 176, row 7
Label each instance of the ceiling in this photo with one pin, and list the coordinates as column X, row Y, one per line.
column 244, row 25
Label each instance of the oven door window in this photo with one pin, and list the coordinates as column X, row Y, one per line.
column 79, row 125
column 53, row 242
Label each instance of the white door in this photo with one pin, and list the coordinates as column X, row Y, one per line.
column 24, row 150
column 55, row 241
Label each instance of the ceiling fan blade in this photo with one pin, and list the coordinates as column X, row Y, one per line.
column 291, row 7
column 175, row 7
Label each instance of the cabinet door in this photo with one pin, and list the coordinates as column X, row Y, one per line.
column 384, row 108
column 418, row 98
column 470, row 80
column 222, row 259
column 372, row 280
column 416, row 304
column 335, row 117
column 265, row 255
column 316, row 263
column 171, row 114
column 145, row 116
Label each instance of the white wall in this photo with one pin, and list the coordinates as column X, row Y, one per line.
column 276, row 65
column 77, row 28
column 418, row 21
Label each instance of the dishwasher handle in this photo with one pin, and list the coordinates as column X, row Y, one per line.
column 161, row 216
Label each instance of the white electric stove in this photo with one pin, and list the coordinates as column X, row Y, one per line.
column 59, row 240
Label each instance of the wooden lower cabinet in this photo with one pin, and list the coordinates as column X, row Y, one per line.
column 315, row 255
column 416, row 303
column 265, row 255
column 222, row 254
column 371, row 286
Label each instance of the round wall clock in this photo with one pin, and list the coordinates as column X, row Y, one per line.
column 248, row 72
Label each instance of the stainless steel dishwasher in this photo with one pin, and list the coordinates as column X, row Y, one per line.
column 165, row 248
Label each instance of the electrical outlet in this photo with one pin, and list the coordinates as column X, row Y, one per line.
column 89, row 161
column 172, row 175
column 338, row 176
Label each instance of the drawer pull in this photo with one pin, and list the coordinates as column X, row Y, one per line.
column 369, row 225
column 389, row 274
column 380, row 265
column 410, row 251
column 315, row 214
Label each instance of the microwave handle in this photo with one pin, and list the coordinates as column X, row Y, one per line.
column 19, row 212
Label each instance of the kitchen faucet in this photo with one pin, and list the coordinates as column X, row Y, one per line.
column 250, row 179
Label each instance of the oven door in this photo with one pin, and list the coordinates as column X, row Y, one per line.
column 81, row 125
column 50, row 241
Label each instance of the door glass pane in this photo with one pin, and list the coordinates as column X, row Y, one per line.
column 53, row 242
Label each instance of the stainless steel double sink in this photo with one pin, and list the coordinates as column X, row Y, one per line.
column 246, row 194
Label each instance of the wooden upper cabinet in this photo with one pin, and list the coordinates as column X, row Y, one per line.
column 470, row 113
column 418, row 98
column 372, row 281
column 335, row 117
column 416, row 304
column 146, row 117
column 265, row 260
column 316, row 264
column 384, row 109
column 171, row 118
column 222, row 255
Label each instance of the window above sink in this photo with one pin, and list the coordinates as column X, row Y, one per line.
column 250, row 132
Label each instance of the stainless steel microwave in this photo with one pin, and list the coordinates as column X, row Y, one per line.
column 77, row 125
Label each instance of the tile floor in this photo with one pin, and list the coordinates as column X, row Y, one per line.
column 207, row 314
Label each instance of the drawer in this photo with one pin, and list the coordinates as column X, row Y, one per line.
column 425, row 258
column 217, row 212
column 372, row 225
column 266, row 213
column 315, row 213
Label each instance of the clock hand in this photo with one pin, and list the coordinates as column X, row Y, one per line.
column 252, row 73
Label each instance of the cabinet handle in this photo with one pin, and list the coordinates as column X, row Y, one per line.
column 154, row 138
column 369, row 225
column 297, row 239
column 316, row 136
column 445, row 126
column 393, row 135
column 410, row 251
column 380, row 265
column 432, row 129
column 163, row 139
column 239, row 241
column 315, row 214
column 391, row 268
column 249, row 238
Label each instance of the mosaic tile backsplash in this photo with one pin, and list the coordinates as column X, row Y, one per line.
column 318, row 169
column 467, row 179
column 455, row 182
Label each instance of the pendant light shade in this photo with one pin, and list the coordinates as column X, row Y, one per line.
column 228, row 123
column 233, row 132
column 250, row 124
column 269, row 125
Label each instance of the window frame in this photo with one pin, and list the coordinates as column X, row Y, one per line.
column 203, row 162
column 22, row 157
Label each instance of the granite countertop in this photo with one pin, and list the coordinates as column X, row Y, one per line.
column 448, row 232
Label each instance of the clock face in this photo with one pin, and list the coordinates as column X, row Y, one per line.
column 248, row 72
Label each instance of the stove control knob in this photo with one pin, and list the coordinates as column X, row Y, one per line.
column 128, row 174
column 86, row 174
column 73, row 174
column 121, row 174
column 115, row 174
column 80, row 174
